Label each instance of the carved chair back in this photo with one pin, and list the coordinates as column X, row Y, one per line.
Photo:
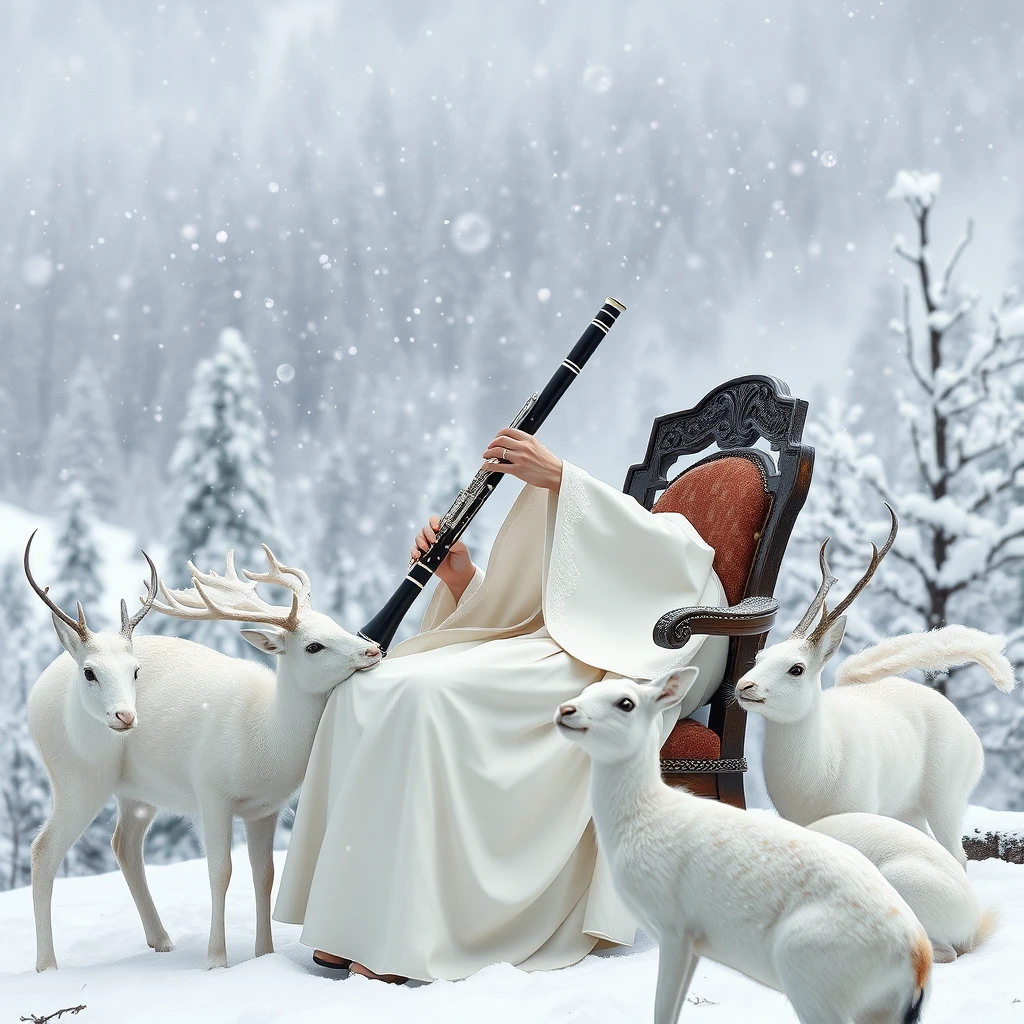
column 744, row 504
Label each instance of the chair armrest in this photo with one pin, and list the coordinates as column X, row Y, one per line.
column 752, row 616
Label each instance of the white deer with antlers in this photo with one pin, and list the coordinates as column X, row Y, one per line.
column 166, row 723
column 874, row 742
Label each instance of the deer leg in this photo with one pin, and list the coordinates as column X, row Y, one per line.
column 71, row 815
column 259, row 837
column 946, row 821
column 217, row 841
column 676, row 964
column 133, row 821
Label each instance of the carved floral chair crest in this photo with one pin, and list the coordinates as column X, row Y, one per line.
column 744, row 504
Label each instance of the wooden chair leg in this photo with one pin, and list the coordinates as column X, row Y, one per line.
column 730, row 789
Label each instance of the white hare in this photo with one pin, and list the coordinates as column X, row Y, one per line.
column 927, row 876
column 794, row 910
column 874, row 742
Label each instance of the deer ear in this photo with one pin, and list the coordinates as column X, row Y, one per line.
column 674, row 686
column 268, row 639
column 69, row 638
column 830, row 642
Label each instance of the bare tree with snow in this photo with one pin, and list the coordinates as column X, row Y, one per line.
column 961, row 435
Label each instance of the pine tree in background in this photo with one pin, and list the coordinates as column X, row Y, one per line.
column 23, row 793
column 222, row 481
column 26, row 644
column 79, row 566
column 82, row 445
column 341, row 546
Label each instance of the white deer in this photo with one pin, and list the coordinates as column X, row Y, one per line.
column 925, row 874
column 794, row 910
column 874, row 742
column 166, row 723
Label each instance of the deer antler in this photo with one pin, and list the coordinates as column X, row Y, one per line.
column 231, row 599
column 278, row 575
column 828, row 617
column 79, row 627
column 129, row 624
column 827, row 580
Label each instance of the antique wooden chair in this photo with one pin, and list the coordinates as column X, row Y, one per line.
column 743, row 503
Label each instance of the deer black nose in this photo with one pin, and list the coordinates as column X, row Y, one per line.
column 566, row 710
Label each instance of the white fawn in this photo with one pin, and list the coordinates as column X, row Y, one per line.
column 925, row 874
column 166, row 723
column 794, row 910
column 874, row 742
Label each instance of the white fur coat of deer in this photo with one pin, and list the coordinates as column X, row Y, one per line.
column 165, row 723
column 925, row 874
column 792, row 909
column 874, row 742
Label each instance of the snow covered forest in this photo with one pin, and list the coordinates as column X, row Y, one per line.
column 346, row 242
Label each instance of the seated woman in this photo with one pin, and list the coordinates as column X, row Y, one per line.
column 443, row 824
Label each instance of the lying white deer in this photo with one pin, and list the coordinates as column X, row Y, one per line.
column 926, row 875
column 167, row 723
column 792, row 909
column 874, row 742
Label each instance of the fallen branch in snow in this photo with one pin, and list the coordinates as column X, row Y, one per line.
column 1008, row 846
column 42, row 1020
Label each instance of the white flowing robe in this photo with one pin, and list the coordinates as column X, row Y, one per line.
column 444, row 825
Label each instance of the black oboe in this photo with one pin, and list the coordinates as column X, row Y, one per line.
column 383, row 626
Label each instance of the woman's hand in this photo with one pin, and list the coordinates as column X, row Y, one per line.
column 457, row 570
column 527, row 459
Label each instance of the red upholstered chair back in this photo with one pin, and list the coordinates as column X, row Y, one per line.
column 743, row 501
column 727, row 501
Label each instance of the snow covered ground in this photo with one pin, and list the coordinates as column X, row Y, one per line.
column 106, row 966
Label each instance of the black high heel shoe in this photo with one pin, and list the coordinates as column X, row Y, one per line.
column 340, row 965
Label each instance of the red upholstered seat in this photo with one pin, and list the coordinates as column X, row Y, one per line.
column 690, row 741
column 726, row 502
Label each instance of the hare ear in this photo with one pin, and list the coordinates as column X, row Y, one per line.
column 674, row 686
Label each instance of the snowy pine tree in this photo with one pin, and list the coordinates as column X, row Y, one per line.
column 222, row 481
column 79, row 566
column 26, row 643
column 82, row 445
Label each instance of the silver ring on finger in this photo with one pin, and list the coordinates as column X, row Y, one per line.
column 504, row 455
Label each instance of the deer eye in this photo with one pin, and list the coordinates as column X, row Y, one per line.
column 136, row 673
column 90, row 675
column 314, row 648
column 796, row 670
column 625, row 704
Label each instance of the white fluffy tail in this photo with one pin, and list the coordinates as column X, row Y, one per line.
column 987, row 924
column 935, row 651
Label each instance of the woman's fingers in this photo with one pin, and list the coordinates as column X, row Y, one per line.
column 505, row 440
column 428, row 532
column 414, row 552
column 435, row 522
column 501, row 452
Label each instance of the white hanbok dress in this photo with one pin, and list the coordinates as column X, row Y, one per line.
column 444, row 824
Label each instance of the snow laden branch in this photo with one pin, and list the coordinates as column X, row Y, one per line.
column 944, row 444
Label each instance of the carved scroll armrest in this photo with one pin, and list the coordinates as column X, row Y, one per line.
column 753, row 615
